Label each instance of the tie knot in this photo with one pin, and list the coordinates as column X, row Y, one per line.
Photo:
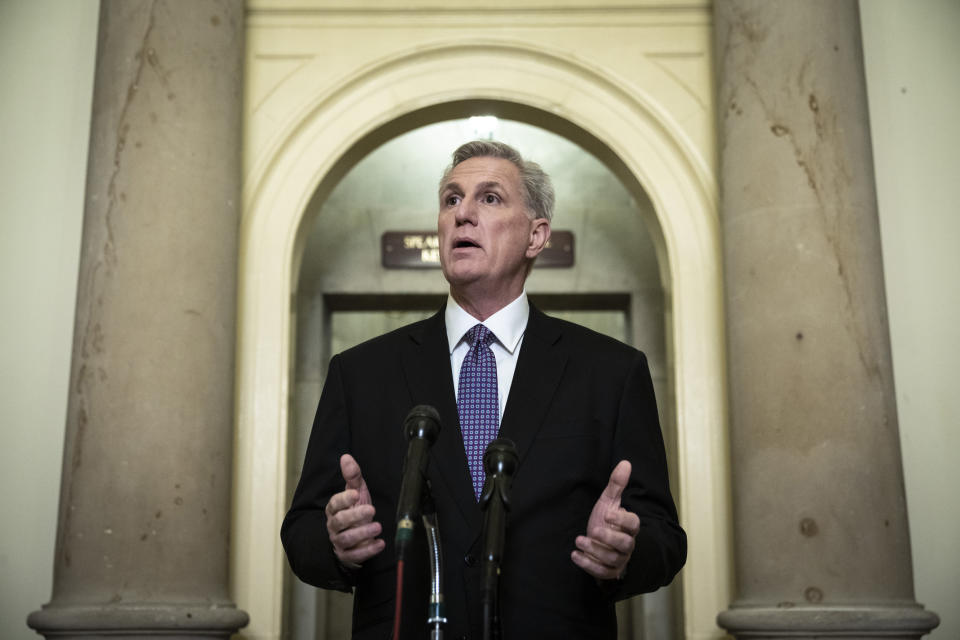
column 479, row 334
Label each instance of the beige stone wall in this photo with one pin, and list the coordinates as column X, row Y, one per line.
column 44, row 164
column 47, row 51
column 911, row 56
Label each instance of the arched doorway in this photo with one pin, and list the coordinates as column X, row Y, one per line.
column 344, row 294
column 637, row 142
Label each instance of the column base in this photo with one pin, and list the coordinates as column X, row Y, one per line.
column 134, row 621
column 871, row 622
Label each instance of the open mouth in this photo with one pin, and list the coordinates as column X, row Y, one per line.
column 465, row 244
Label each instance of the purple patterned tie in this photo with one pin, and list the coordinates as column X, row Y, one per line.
column 477, row 401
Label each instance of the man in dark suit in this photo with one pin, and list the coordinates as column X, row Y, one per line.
column 591, row 520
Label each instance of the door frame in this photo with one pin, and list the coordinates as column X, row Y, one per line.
column 335, row 127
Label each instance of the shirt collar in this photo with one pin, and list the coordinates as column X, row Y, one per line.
column 507, row 324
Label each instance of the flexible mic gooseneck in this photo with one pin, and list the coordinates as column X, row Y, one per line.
column 436, row 617
column 499, row 461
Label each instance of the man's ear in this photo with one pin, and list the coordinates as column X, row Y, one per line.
column 539, row 236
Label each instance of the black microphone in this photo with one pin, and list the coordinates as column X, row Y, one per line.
column 420, row 427
column 499, row 461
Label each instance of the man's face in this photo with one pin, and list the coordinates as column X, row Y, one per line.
column 486, row 235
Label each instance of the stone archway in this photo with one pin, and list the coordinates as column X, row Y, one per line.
column 641, row 142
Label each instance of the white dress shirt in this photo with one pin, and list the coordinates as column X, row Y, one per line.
column 507, row 326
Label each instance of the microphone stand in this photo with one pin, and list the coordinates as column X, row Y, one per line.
column 435, row 611
column 500, row 460
column 435, row 617
column 420, row 427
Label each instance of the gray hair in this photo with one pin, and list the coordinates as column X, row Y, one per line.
column 538, row 194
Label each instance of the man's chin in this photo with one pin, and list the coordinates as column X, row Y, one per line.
column 460, row 274
column 461, row 282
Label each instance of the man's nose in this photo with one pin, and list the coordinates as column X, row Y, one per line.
column 466, row 212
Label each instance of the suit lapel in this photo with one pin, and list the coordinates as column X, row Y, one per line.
column 539, row 369
column 426, row 365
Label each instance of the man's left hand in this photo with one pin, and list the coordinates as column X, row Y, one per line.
column 611, row 529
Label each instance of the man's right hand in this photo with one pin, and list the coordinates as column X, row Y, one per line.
column 353, row 531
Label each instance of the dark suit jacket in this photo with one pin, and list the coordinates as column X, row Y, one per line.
column 579, row 403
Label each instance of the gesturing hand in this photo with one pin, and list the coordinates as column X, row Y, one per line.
column 611, row 529
column 353, row 531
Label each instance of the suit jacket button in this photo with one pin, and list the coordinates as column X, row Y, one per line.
column 470, row 560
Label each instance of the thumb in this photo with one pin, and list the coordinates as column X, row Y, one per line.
column 350, row 471
column 618, row 481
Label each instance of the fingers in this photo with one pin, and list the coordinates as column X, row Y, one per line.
column 609, row 546
column 356, row 536
column 604, row 553
column 350, row 525
column 352, row 505
column 352, row 530
column 597, row 568
column 350, row 471
column 619, row 478
column 340, row 501
column 344, row 511
column 359, row 554
column 356, row 545
column 623, row 520
column 611, row 530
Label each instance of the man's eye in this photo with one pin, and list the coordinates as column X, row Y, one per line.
column 491, row 198
column 452, row 200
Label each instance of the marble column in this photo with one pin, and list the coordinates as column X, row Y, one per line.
column 144, row 522
column 821, row 537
